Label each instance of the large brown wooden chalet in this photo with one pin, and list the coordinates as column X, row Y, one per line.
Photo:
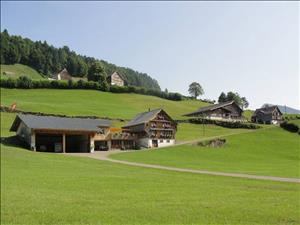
column 222, row 111
column 152, row 129
column 267, row 115
column 61, row 134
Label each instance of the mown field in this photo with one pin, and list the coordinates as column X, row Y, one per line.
column 91, row 102
column 45, row 188
column 17, row 70
column 273, row 152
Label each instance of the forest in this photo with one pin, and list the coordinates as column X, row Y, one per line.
column 47, row 60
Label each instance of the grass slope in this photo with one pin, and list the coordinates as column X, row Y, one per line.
column 188, row 131
column 273, row 152
column 17, row 70
column 91, row 102
column 41, row 188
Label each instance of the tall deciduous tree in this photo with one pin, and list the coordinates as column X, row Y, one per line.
column 195, row 89
column 231, row 96
column 96, row 72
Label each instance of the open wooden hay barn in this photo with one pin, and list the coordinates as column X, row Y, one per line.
column 60, row 134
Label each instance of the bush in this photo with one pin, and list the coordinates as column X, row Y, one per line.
column 290, row 127
column 227, row 124
column 24, row 82
column 9, row 83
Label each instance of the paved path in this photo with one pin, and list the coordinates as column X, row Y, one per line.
column 105, row 157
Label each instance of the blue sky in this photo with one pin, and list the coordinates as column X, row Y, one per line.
column 248, row 47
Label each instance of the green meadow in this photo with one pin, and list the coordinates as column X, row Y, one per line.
column 17, row 70
column 45, row 188
column 272, row 151
column 91, row 102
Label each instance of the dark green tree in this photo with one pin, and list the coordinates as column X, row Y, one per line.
column 222, row 98
column 96, row 72
column 195, row 90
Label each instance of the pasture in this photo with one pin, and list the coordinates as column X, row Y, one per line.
column 270, row 151
column 45, row 188
column 42, row 188
column 91, row 102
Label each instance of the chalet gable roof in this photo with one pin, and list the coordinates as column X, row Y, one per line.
column 211, row 108
column 116, row 72
column 59, row 123
column 144, row 117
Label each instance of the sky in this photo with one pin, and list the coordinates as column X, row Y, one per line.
column 247, row 47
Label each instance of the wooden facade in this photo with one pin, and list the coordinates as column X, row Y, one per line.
column 267, row 115
column 116, row 79
column 61, row 134
column 153, row 129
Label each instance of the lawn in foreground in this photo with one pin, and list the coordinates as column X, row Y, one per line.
column 273, row 152
column 91, row 102
column 43, row 188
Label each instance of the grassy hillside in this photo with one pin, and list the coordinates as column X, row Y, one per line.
column 45, row 188
column 273, row 152
column 17, row 70
column 90, row 102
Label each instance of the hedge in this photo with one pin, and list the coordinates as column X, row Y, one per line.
column 290, row 127
column 227, row 124
column 26, row 83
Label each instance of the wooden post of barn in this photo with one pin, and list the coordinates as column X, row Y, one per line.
column 64, row 143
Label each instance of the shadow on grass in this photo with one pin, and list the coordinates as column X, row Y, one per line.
column 13, row 141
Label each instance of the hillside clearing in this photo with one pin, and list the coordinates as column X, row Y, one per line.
column 17, row 70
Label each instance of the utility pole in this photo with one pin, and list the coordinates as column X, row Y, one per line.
column 203, row 127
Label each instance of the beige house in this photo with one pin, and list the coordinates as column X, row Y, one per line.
column 62, row 75
column 116, row 79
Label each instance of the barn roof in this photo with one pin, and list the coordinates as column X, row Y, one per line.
column 120, row 75
column 63, row 73
column 143, row 117
column 59, row 123
column 211, row 107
